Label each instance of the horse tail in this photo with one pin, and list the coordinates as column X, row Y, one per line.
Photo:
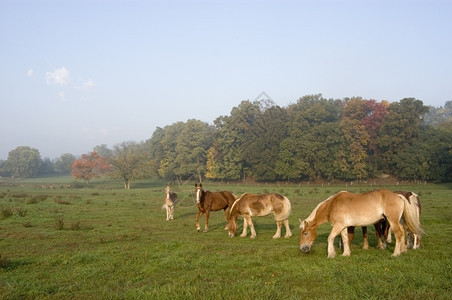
column 411, row 217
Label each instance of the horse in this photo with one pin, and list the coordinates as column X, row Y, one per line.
column 208, row 201
column 170, row 202
column 414, row 240
column 346, row 209
column 383, row 229
column 260, row 205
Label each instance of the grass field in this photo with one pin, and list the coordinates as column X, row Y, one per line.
column 66, row 241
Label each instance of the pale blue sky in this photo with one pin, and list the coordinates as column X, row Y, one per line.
column 76, row 74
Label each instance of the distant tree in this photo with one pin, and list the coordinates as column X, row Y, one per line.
column 128, row 162
column 398, row 132
column 90, row 166
column 261, row 144
column 210, row 164
column 63, row 164
column 314, row 139
column 46, row 167
column 192, row 145
column 103, row 151
column 23, row 162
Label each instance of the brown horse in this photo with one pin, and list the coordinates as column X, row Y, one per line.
column 170, row 203
column 260, row 205
column 346, row 209
column 383, row 229
column 208, row 201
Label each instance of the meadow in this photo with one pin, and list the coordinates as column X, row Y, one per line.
column 64, row 240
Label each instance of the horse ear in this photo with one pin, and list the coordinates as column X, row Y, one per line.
column 200, row 185
column 196, row 185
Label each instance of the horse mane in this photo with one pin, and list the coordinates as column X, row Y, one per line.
column 321, row 207
column 235, row 202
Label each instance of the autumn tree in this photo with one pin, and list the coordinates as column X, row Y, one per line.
column 90, row 166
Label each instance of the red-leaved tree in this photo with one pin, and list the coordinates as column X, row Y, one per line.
column 90, row 166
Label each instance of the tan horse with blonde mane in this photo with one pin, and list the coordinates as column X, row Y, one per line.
column 170, row 202
column 383, row 229
column 260, row 205
column 346, row 209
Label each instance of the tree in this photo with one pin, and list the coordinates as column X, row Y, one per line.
column 230, row 140
column 46, row 167
column 262, row 142
column 90, row 166
column 103, row 151
column 128, row 162
column 63, row 164
column 398, row 132
column 23, row 162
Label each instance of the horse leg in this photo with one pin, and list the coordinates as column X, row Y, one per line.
column 417, row 241
column 245, row 227
column 167, row 212
column 380, row 229
column 198, row 227
column 206, row 225
column 250, row 224
column 278, row 230
column 226, row 215
column 399, row 235
column 345, row 242
column 288, row 232
column 172, row 212
column 366, row 240
column 351, row 236
column 388, row 234
column 335, row 231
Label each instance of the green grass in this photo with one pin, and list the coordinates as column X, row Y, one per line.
column 103, row 242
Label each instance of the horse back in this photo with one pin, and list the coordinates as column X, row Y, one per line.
column 263, row 204
column 365, row 208
column 218, row 200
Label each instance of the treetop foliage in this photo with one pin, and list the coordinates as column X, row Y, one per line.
column 313, row 139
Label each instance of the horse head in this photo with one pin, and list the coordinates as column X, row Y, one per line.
column 232, row 226
column 167, row 191
column 198, row 192
column 307, row 236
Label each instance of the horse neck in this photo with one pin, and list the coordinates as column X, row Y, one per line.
column 320, row 214
column 202, row 198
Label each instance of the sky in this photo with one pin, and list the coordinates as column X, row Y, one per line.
column 78, row 74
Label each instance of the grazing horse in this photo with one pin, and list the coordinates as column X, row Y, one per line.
column 383, row 229
column 346, row 209
column 170, row 202
column 208, row 201
column 260, row 205
column 414, row 240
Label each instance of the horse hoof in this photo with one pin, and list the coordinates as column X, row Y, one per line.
column 287, row 236
column 276, row 237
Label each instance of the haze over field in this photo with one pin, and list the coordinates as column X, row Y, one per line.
column 76, row 74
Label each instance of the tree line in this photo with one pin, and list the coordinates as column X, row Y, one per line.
column 313, row 139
